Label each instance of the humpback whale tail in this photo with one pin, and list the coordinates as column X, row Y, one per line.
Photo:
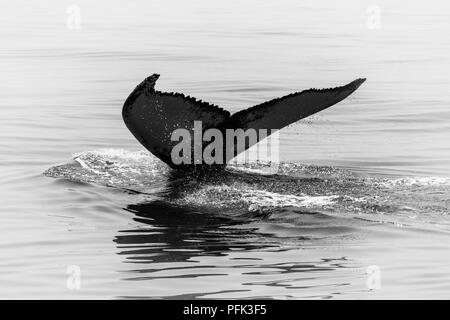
column 153, row 116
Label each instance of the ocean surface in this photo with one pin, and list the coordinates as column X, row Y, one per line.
column 358, row 208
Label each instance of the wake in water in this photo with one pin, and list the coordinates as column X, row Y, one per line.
column 241, row 190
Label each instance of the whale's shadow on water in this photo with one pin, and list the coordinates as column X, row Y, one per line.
column 173, row 234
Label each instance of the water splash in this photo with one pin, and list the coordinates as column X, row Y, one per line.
column 138, row 171
column 240, row 189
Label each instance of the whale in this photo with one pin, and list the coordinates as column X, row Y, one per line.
column 153, row 116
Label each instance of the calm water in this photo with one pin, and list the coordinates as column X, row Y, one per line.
column 365, row 183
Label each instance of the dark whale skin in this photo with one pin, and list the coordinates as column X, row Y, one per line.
column 152, row 116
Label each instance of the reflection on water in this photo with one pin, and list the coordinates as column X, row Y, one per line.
column 178, row 234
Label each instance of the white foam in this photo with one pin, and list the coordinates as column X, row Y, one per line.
column 109, row 153
column 416, row 181
column 253, row 199
column 283, row 200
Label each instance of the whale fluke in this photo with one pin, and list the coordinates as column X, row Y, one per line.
column 152, row 116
